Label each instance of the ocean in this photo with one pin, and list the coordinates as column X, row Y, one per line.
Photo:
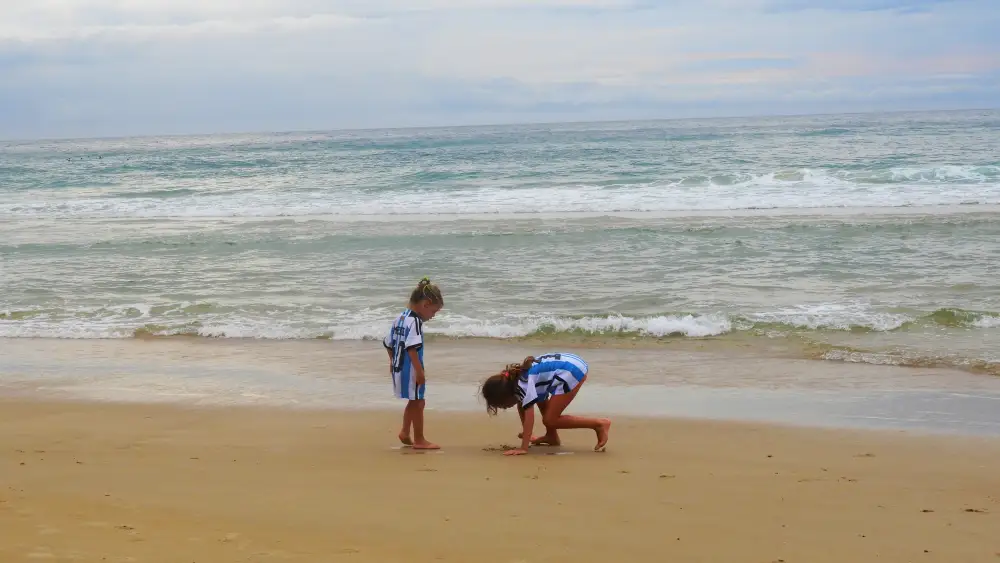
column 868, row 238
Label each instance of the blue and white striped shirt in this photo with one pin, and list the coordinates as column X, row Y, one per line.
column 551, row 374
column 407, row 332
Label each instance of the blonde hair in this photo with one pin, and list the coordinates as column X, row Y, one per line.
column 426, row 291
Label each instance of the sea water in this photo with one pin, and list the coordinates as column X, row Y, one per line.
column 853, row 238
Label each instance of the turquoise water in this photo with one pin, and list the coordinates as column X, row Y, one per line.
column 869, row 238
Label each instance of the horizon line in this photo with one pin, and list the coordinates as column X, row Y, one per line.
column 486, row 125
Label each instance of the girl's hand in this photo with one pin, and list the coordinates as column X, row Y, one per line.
column 517, row 451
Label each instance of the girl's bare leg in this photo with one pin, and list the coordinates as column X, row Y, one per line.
column 404, row 433
column 419, row 442
column 551, row 437
column 554, row 419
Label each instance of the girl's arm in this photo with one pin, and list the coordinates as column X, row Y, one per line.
column 527, row 425
column 418, row 367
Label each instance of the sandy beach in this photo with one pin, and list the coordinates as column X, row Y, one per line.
column 106, row 482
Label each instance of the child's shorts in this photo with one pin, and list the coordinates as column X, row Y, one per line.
column 404, row 386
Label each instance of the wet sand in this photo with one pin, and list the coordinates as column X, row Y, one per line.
column 699, row 379
column 107, row 482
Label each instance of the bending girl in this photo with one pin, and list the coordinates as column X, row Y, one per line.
column 550, row 381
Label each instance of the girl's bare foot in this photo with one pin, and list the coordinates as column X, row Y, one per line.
column 405, row 439
column 425, row 445
column 546, row 440
column 602, row 434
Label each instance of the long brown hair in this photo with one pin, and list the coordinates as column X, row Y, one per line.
column 500, row 389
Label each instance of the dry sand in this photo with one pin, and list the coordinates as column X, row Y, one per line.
column 93, row 482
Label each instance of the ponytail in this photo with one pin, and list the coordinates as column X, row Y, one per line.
column 515, row 371
column 500, row 390
column 426, row 291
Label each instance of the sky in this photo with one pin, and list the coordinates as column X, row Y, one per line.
column 87, row 68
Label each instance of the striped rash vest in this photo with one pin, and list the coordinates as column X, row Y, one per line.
column 551, row 374
column 407, row 333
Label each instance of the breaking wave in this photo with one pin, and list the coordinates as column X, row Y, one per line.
column 282, row 196
column 304, row 322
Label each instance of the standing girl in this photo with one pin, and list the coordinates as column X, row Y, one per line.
column 550, row 381
column 405, row 346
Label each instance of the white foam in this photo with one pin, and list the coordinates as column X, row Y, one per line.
column 359, row 325
column 271, row 196
column 987, row 321
column 872, row 358
column 309, row 322
column 688, row 325
column 836, row 316
column 946, row 173
column 517, row 326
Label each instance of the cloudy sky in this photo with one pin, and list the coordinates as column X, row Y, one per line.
column 123, row 67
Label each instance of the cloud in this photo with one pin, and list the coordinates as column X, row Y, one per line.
column 61, row 19
column 903, row 6
column 108, row 67
column 742, row 63
column 91, row 19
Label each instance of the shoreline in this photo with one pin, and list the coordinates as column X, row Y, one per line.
column 926, row 414
column 946, row 338
column 161, row 483
column 832, row 412
column 663, row 382
column 579, row 441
